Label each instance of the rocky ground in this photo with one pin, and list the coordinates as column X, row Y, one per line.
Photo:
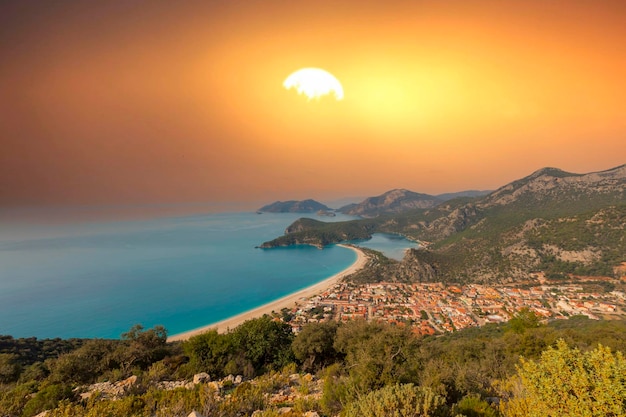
column 285, row 391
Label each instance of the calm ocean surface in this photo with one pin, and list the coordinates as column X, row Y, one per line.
column 97, row 279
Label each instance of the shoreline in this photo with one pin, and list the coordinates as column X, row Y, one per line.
column 287, row 301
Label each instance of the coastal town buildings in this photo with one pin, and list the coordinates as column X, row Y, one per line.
column 430, row 308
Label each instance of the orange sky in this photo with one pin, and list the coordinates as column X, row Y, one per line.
column 162, row 101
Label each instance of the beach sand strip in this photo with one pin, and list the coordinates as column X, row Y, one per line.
column 288, row 301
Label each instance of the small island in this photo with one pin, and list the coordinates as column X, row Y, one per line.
column 296, row 206
column 327, row 213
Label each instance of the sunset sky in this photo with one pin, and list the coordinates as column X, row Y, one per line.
column 126, row 102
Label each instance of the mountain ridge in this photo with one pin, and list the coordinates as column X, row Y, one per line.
column 547, row 220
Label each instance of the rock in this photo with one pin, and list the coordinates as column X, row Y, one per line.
column 195, row 414
column 108, row 390
column 215, row 385
column 127, row 383
column 84, row 396
column 172, row 385
column 201, row 377
column 238, row 379
column 230, row 378
column 43, row 414
column 493, row 400
column 284, row 410
column 167, row 385
column 311, row 414
column 281, row 398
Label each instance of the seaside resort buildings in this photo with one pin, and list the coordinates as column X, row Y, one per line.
column 431, row 308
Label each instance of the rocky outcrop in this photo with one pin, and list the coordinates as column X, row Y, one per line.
column 172, row 385
column 416, row 267
column 447, row 225
column 110, row 390
column 117, row 390
column 281, row 393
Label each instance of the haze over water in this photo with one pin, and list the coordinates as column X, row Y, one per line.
column 98, row 278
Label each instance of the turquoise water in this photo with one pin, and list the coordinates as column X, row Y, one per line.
column 392, row 246
column 97, row 279
column 91, row 278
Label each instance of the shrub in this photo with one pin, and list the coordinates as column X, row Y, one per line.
column 473, row 406
column 567, row 382
column 10, row 368
column 405, row 400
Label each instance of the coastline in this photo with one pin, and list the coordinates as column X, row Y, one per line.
column 287, row 301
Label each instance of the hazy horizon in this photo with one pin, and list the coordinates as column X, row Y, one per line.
column 160, row 103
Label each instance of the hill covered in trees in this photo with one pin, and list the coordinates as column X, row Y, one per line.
column 294, row 206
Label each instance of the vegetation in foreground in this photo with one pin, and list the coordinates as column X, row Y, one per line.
column 522, row 368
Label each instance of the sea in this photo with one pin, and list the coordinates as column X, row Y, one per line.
column 97, row 278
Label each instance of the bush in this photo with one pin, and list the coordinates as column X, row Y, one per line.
column 473, row 406
column 405, row 400
column 335, row 390
column 264, row 344
column 377, row 354
column 10, row 368
column 47, row 399
column 567, row 382
column 209, row 352
column 313, row 346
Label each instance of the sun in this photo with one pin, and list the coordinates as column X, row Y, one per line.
column 314, row 83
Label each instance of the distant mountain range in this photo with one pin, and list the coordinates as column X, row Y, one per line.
column 468, row 193
column 399, row 200
column 394, row 201
column 552, row 221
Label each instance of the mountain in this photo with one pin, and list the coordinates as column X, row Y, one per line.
column 394, row 201
column 551, row 221
column 293, row 206
column 468, row 193
column 346, row 201
column 551, row 188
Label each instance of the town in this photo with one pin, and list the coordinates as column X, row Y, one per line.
column 431, row 308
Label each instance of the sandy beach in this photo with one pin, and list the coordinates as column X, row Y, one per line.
column 287, row 301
